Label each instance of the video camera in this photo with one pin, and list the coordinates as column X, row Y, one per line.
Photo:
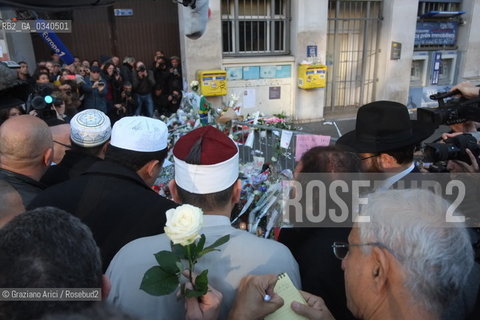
column 455, row 110
column 452, row 149
column 41, row 100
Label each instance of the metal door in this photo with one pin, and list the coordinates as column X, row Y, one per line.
column 353, row 29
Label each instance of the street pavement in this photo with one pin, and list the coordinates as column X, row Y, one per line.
column 339, row 126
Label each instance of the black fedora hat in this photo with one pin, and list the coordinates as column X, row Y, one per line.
column 382, row 126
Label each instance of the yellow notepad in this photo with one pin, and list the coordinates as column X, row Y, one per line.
column 286, row 289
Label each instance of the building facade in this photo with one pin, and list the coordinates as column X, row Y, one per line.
column 365, row 50
column 370, row 49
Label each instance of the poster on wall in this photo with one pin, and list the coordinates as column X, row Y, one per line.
column 274, row 93
column 284, row 71
column 249, row 98
column 268, row 72
column 235, row 73
column 251, row 73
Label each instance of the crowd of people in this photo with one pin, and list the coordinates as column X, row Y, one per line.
column 92, row 220
column 116, row 87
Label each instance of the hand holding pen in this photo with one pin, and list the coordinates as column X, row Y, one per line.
column 255, row 298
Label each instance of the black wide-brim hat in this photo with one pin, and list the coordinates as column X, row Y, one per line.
column 383, row 126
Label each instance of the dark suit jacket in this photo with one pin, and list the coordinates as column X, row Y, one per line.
column 72, row 165
column 113, row 201
column 320, row 270
column 25, row 186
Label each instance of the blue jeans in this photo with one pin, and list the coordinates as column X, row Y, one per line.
column 144, row 105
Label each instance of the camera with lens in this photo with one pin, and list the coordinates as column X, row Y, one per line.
column 141, row 68
column 40, row 98
column 452, row 111
column 452, row 149
column 57, row 102
column 43, row 106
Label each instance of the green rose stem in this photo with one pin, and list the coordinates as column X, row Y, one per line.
column 190, row 264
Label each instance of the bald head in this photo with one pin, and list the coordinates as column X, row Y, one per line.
column 10, row 203
column 26, row 146
column 61, row 136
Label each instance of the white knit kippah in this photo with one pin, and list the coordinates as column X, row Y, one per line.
column 140, row 134
column 90, row 128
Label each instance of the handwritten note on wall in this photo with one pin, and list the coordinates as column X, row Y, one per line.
column 305, row 142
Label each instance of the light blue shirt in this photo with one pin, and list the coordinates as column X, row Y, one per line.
column 242, row 255
column 390, row 181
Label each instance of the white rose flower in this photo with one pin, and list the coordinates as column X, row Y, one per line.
column 184, row 224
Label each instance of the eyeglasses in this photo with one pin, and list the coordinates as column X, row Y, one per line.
column 375, row 155
column 340, row 249
column 62, row 144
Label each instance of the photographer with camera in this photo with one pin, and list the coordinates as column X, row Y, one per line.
column 40, row 101
column 175, row 81
column 59, row 106
column 126, row 105
column 458, row 151
column 467, row 89
column 158, row 55
column 127, row 68
column 162, row 73
column 114, row 84
column 69, row 92
column 160, row 101
column 143, row 84
column 470, row 165
column 174, row 100
column 95, row 91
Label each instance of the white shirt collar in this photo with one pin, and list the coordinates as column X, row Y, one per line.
column 387, row 184
column 212, row 220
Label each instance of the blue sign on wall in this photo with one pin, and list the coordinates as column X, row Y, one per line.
column 437, row 64
column 436, row 33
column 123, row 12
column 57, row 46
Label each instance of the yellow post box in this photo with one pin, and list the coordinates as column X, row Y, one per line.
column 213, row 82
column 312, row 76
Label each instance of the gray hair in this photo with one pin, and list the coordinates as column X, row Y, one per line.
column 128, row 59
column 436, row 256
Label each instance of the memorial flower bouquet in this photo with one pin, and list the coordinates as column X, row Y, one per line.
column 187, row 246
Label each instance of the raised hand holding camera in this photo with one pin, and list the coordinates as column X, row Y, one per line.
column 467, row 89
column 142, row 71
